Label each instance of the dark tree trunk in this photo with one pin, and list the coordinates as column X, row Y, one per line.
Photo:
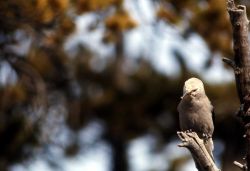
column 119, row 154
column 241, row 66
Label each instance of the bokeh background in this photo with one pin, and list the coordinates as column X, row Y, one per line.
column 93, row 85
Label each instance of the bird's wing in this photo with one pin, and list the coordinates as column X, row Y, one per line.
column 213, row 115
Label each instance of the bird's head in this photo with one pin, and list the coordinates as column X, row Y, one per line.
column 193, row 87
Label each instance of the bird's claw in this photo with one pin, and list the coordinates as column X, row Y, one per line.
column 206, row 136
column 189, row 130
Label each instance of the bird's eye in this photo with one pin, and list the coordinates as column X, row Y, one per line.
column 195, row 90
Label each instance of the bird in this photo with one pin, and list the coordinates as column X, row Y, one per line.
column 196, row 112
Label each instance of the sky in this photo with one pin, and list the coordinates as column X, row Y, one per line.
column 154, row 43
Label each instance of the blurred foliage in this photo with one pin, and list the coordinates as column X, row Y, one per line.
column 130, row 104
column 207, row 18
column 96, row 5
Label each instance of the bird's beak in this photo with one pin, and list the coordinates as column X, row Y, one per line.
column 188, row 93
column 183, row 95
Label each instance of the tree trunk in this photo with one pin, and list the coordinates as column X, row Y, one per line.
column 241, row 66
column 119, row 154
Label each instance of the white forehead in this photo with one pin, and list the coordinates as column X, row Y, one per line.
column 193, row 83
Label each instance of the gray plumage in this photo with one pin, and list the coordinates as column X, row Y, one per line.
column 195, row 112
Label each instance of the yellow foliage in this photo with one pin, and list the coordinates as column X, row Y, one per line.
column 60, row 5
column 40, row 61
column 41, row 4
column 120, row 21
column 47, row 10
column 213, row 25
column 47, row 15
column 207, row 18
column 13, row 94
column 167, row 15
column 17, row 92
column 94, row 5
column 67, row 25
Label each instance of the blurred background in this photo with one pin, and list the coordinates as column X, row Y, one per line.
column 93, row 85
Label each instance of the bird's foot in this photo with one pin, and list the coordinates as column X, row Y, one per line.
column 189, row 131
column 206, row 136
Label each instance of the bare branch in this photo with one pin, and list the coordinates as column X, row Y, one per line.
column 229, row 62
column 196, row 146
column 241, row 166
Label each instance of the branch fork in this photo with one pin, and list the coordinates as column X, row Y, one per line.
column 203, row 160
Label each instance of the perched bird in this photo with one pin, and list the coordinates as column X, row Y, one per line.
column 196, row 112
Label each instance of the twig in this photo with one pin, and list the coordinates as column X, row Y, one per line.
column 241, row 166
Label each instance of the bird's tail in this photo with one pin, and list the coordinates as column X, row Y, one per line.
column 209, row 146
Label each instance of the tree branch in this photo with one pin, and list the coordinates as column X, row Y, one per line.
column 241, row 166
column 196, row 146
